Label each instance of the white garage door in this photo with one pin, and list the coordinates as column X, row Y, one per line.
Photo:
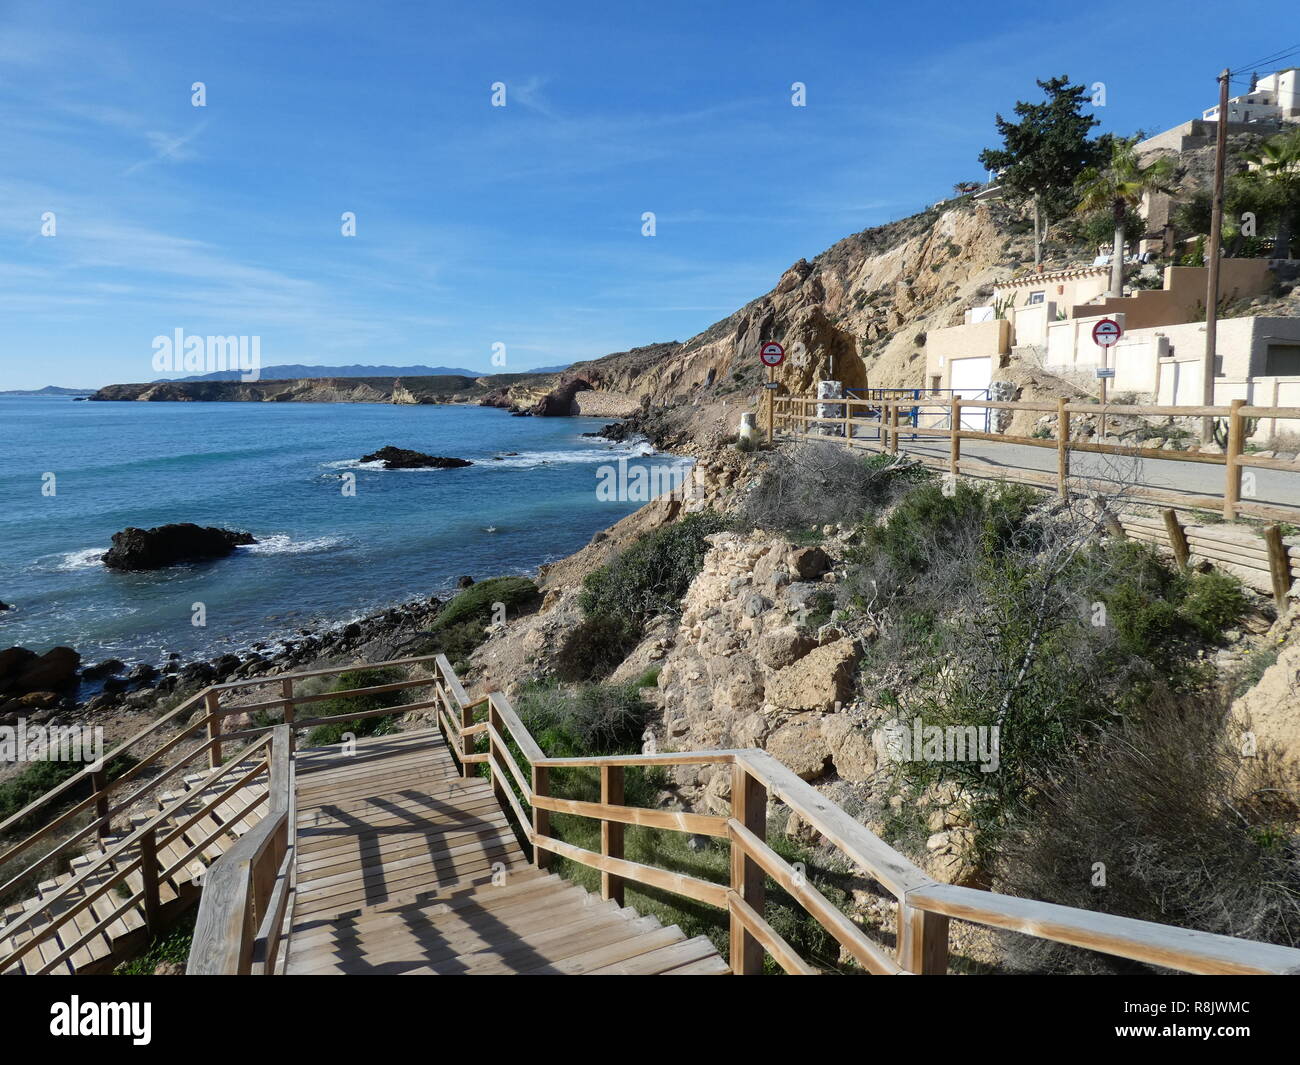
column 970, row 380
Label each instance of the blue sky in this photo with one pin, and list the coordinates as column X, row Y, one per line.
column 479, row 225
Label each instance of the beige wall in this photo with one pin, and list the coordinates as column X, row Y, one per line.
column 942, row 346
column 1183, row 297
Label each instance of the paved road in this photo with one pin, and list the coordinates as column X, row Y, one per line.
column 1275, row 487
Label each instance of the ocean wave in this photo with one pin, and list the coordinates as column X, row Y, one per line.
column 530, row 459
column 86, row 558
column 355, row 464
column 285, row 545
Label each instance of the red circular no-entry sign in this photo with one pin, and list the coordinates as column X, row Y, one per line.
column 772, row 353
column 1106, row 332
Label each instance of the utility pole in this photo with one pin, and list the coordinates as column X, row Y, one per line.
column 1212, row 261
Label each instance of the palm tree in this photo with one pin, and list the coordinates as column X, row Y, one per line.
column 1276, row 166
column 1118, row 187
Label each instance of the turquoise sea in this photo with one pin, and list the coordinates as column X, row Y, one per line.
column 275, row 470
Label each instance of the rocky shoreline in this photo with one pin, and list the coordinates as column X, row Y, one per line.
column 64, row 687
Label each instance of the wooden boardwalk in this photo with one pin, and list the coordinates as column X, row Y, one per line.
column 404, row 867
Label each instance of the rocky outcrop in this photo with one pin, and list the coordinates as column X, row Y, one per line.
column 167, row 545
column 745, row 667
column 24, row 672
column 400, row 458
column 1269, row 713
column 559, row 403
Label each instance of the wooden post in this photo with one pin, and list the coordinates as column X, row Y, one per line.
column 1062, row 448
column 286, row 690
column 922, row 941
column 541, row 818
column 1279, row 565
column 895, row 410
column 749, row 807
column 212, row 703
column 848, row 425
column 1232, row 490
column 496, row 757
column 954, row 438
column 611, row 832
column 467, row 743
column 98, row 783
column 1177, row 538
column 771, row 402
column 149, row 874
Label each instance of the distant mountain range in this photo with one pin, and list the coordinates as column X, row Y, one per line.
column 48, row 390
column 296, row 371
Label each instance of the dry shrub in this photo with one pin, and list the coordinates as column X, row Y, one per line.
column 1189, row 832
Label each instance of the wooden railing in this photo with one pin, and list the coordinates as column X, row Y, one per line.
column 881, row 423
column 198, row 740
column 924, row 905
column 246, row 892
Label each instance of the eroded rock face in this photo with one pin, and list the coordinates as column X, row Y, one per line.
column 166, row 545
column 400, row 458
column 744, row 669
column 1270, row 711
column 818, row 681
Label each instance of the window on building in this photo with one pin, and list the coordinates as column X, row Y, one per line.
column 1282, row 360
column 1037, row 297
column 935, row 381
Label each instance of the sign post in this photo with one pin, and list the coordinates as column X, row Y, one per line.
column 771, row 355
column 1105, row 334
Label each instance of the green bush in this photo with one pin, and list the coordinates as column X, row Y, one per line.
column 378, row 725
column 1187, row 831
column 590, row 719
column 40, row 777
column 620, row 598
column 461, row 625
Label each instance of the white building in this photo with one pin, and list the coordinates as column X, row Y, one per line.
column 1275, row 98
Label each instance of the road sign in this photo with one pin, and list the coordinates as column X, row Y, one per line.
column 771, row 384
column 772, row 353
column 1105, row 372
column 1106, row 332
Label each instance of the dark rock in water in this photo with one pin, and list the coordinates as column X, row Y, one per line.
column 465, row 582
column 105, row 668
column 197, row 673
column 5, row 606
column 23, row 671
column 351, row 631
column 143, row 674
column 400, row 458
column 165, row 545
column 619, row 431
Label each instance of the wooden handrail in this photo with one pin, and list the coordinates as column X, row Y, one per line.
column 886, row 411
column 112, row 858
column 248, row 884
column 101, row 788
column 248, row 891
column 924, row 905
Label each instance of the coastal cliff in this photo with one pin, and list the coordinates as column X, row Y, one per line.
column 856, row 313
